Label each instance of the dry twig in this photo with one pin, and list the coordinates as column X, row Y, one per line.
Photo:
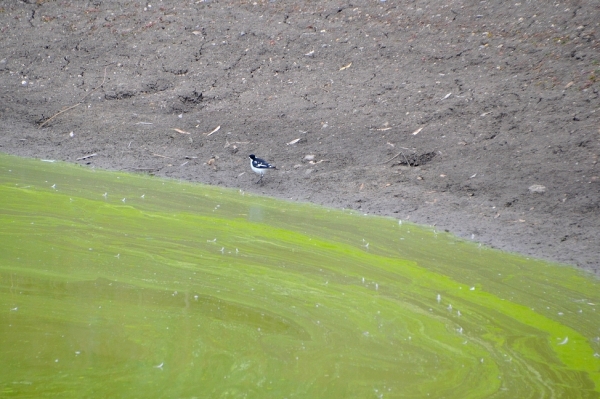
column 86, row 157
column 58, row 113
column 396, row 156
column 214, row 131
column 78, row 103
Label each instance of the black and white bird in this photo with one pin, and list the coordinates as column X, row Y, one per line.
column 259, row 166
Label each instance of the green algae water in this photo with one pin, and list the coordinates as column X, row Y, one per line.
column 113, row 285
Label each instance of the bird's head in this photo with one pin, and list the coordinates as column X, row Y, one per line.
column 251, row 156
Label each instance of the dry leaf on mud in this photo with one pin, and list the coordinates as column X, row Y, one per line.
column 180, row 131
column 417, row 131
column 537, row 188
column 346, row 67
column 211, row 162
column 293, row 142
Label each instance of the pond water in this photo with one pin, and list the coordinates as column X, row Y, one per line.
column 117, row 285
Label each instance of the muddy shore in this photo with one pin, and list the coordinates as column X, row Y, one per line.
column 481, row 118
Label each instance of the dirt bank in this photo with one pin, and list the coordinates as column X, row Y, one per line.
column 482, row 118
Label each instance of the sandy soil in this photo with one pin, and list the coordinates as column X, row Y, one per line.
column 478, row 117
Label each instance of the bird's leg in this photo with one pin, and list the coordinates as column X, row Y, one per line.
column 259, row 180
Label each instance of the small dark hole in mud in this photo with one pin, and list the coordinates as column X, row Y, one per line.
column 415, row 159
